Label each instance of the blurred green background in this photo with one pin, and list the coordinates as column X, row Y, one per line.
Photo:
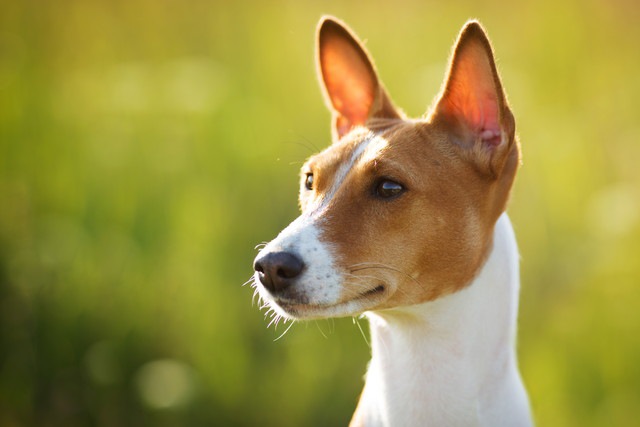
column 147, row 146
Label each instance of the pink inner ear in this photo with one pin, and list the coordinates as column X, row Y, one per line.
column 472, row 94
column 349, row 80
column 488, row 121
column 343, row 125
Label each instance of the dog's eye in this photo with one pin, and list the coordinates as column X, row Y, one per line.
column 387, row 189
column 308, row 182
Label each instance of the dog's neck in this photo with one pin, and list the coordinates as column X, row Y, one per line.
column 450, row 361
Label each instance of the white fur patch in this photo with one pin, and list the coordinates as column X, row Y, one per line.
column 345, row 168
column 320, row 284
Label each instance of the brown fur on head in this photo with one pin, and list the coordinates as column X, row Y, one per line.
column 456, row 166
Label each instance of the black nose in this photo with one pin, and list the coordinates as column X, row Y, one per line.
column 278, row 270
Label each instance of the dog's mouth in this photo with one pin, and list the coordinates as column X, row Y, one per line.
column 301, row 307
column 377, row 290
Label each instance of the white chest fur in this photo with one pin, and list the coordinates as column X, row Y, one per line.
column 451, row 362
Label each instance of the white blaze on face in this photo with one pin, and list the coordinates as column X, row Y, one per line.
column 374, row 146
column 346, row 167
column 320, row 283
column 320, row 203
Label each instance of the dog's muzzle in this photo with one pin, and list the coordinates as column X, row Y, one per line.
column 278, row 270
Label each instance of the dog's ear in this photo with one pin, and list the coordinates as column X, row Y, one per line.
column 351, row 86
column 472, row 104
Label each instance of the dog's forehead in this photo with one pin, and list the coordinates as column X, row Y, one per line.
column 360, row 146
column 340, row 151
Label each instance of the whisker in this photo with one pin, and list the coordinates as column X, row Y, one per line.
column 278, row 319
column 363, row 277
column 270, row 312
column 367, row 265
column 256, row 294
column 356, row 282
column 320, row 329
column 274, row 320
column 364, row 336
column 374, row 278
column 306, row 144
column 286, row 330
column 251, row 279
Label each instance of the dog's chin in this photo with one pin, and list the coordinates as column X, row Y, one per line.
column 303, row 309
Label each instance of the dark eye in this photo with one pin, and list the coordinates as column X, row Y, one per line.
column 387, row 189
column 308, row 182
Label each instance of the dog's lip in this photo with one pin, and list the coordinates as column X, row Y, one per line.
column 378, row 289
column 297, row 307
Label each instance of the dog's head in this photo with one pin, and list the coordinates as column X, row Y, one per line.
column 396, row 211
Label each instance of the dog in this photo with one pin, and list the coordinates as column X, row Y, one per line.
column 404, row 220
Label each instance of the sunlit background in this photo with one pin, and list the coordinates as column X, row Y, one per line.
column 146, row 147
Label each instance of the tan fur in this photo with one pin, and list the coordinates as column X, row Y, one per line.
column 436, row 235
column 349, row 79
column 399, row 212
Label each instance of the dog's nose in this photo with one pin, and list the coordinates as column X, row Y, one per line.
column 278, row 270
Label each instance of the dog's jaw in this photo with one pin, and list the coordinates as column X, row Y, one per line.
column 319, row 291
column 362, row 252
column 454, row 355
column 325, row 287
